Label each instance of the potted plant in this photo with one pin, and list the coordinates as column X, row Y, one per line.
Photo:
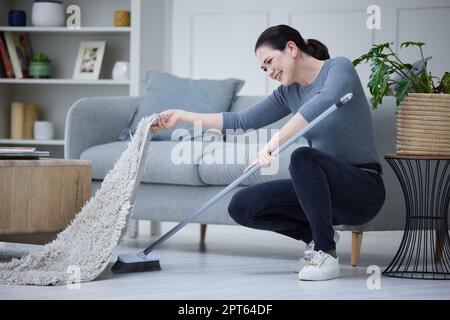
column 423, row 113
column 40, row 66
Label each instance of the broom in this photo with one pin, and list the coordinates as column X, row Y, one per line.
column 147, row 260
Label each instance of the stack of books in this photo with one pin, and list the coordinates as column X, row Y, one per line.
column 22, row 153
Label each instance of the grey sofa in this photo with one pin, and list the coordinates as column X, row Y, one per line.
column 170, row 191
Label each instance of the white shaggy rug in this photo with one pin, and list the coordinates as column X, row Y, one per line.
column 87, row 244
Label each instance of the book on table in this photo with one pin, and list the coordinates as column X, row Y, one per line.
column 17, row 149
column 22, row 153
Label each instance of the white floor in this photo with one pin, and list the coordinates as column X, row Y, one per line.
column 240, row 263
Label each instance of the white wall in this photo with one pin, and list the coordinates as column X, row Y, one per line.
column 215, row 39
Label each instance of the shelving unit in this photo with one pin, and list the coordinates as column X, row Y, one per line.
column 55, row 96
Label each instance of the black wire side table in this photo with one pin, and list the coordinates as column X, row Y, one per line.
column 424, row 251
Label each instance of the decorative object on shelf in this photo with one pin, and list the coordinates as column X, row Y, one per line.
column 20, row 53
column 17, row 118
column 40, row 66
column 43, row 130
column 31, row 115
column 2, row 69
column 17, row 18
column 122, row 18
column 4, row 57
column 23, row 117
column 48, row 14
column 423, row 116
column 89, row 60
column 121, row 70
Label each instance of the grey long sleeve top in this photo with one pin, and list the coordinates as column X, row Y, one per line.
column 345, row 134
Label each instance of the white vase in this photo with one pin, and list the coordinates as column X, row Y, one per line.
column 121, row 70
column 43, row 130
column 48, row 14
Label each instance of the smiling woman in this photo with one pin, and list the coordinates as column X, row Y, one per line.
column 277, row 44
column 336, row 180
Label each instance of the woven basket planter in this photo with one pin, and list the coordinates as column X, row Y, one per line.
column 423, row 125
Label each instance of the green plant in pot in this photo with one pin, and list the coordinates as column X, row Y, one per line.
column 40, row 66
column 423, row 112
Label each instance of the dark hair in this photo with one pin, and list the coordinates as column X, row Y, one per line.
column 278, row 36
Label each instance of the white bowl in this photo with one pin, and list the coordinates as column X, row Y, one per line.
column 48, row 14
column 121, row 70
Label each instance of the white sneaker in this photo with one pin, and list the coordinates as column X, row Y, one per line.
column 308, row 254
column 322, row 267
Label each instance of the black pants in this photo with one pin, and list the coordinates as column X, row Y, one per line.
column 323, row 191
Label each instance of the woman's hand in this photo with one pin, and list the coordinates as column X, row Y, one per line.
column 154, row 127
column 167, row 120
column 264, row 158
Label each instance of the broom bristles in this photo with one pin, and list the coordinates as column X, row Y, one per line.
column 138, row 262
column 124, row 267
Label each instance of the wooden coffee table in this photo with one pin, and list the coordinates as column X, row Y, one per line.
column 39, row 198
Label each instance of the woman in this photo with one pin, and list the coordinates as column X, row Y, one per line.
column 336, row 180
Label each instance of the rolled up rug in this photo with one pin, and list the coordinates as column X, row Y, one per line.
column 88, row 242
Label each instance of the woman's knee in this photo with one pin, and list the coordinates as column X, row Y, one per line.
column 240, row 207
column 301, row 156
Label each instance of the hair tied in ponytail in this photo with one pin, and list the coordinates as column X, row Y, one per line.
column 277, row 36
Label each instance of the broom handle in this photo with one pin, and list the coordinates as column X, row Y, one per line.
column 236, row 182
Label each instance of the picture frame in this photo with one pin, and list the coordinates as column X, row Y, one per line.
column 89, row 60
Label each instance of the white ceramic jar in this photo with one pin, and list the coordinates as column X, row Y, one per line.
column 121, row 70
column 43, row 130
column 47, row 14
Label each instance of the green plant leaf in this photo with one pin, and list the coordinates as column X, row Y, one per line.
column 365, row 57
column 388, row 73
column 444, row 84
column 374, row 53
column 404, row 86
column 424, row 86
column 408, row 65
column 378, row 81
column 411, row 43
column 40, row 57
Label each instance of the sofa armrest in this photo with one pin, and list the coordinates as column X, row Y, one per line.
column 94, row 121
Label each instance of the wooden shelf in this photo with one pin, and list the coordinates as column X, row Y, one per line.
column 32, row 142
column 68, row 30
column 107, row 82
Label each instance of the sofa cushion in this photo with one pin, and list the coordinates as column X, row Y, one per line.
column 165, row 91
column 212, row 172
column 159, row 167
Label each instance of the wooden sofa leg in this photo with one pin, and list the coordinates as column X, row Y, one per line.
column 356, row 247
column 202, row 233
